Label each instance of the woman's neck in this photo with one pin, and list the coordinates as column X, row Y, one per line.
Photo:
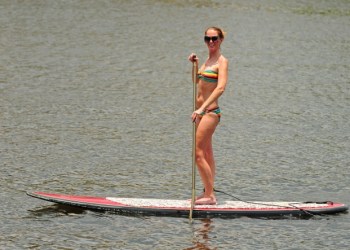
column 214, row 56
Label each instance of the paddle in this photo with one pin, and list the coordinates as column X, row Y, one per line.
column 194, row 78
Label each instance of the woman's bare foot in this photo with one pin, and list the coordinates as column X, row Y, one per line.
column 200, row 196
column 205, row 201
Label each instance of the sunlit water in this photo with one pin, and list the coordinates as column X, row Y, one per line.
column 96, row 100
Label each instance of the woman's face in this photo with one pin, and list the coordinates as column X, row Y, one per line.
column 212, row 39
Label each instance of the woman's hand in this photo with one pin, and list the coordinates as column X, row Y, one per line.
column 193, row 58
column 197, row 113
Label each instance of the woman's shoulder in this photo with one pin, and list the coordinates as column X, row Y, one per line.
column 223, row 62
column 222, row 59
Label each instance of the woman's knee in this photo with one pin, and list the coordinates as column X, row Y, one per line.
column 200, row 155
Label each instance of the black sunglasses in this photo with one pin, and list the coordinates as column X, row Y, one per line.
column 208, row 38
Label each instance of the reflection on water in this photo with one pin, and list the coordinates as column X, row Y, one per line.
column 201, row 235
column 55, row 210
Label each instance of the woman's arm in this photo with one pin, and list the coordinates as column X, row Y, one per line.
column 194, row 59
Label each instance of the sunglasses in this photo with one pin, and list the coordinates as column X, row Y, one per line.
column 212, row 38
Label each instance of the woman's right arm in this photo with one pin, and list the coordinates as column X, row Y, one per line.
column 194, row 59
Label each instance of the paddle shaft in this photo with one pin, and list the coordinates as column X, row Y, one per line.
column 194, row 79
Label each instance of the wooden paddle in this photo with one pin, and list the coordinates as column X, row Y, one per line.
column 194, row 79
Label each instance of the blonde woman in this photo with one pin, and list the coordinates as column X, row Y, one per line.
column 211, row 81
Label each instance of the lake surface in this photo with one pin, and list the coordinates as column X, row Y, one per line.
column 96, row 98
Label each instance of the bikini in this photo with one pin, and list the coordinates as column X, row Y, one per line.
column 210, row 76
column 216, row 111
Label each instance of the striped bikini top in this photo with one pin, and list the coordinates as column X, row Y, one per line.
column 209, row 75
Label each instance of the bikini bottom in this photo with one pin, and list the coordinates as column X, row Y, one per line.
column 216, row 111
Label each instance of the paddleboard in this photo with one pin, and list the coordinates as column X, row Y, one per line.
column 181, row 208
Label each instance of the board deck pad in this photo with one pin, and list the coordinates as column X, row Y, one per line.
column 164, row 207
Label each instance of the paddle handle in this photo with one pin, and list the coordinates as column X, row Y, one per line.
column 194, row 79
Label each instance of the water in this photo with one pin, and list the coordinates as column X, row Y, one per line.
column 96, row 100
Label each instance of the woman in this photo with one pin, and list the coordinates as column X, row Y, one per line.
column 211, row 82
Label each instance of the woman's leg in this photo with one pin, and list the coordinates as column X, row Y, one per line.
column 204, row 157
column 209, row 156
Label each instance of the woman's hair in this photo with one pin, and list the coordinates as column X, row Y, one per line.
column 221, row 33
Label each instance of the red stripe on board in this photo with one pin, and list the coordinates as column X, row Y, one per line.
column 81, row 199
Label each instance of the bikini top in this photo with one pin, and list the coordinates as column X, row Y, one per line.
column 209, row 75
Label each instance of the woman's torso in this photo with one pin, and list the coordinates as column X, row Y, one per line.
column 208, row 77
